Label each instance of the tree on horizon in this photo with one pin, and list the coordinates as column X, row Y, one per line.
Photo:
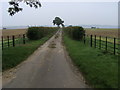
column 57, row 21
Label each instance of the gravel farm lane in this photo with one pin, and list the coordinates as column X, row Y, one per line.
column 48, row 67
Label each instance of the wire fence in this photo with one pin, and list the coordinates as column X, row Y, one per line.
column 108, row 44
column 12, row 41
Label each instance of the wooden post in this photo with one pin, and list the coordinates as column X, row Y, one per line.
column 84, row 38
column 100, row 43
column 95, row 42
column 23, row 38
column 13, row 38
column 106, row 44
column 8, row 41
column 114, row 45
column 2, row 43
column 19, row 39
column 91, row 41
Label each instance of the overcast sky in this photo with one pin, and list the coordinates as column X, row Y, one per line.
column 73, row 13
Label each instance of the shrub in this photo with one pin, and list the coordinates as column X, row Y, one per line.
column 35, row 33
column 78, row 33
column 75, row 32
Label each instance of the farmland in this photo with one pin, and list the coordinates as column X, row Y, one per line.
column 103, row 32
column 7, row 36
column 98, row 32
column 109, row 38
column 9, row 32
column 92, row 62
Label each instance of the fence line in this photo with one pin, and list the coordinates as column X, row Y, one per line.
column 107, row 44
column 12, row 41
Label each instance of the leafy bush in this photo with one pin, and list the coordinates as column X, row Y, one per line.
column 35, row 33
column 75, row 32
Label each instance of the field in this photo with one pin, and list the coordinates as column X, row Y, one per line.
column 17, row 33
column 103, row 32
column 9, row 32
column 98, row 32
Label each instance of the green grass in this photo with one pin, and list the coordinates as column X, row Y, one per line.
column 13, row 56
column 18, row 41
column 100, row 70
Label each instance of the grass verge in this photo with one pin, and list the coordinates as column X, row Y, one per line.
column 100, row 70
column 13, row 56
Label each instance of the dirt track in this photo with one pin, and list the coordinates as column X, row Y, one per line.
column 47, row 67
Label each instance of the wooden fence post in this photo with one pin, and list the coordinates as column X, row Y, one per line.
column 19, row 38
column 91, row 41
column 84, row 38
column 13, row 38
column 106, row 44
column 8, row 41
column 100, row 43
column 95, row 42
column 2, row 43
column 114, row 45
column 23, row 38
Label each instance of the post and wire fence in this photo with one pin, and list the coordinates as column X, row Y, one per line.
column 12, row 41
column 107, row 44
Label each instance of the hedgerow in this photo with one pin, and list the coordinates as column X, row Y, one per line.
column 75, row 32
column 35, row 33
